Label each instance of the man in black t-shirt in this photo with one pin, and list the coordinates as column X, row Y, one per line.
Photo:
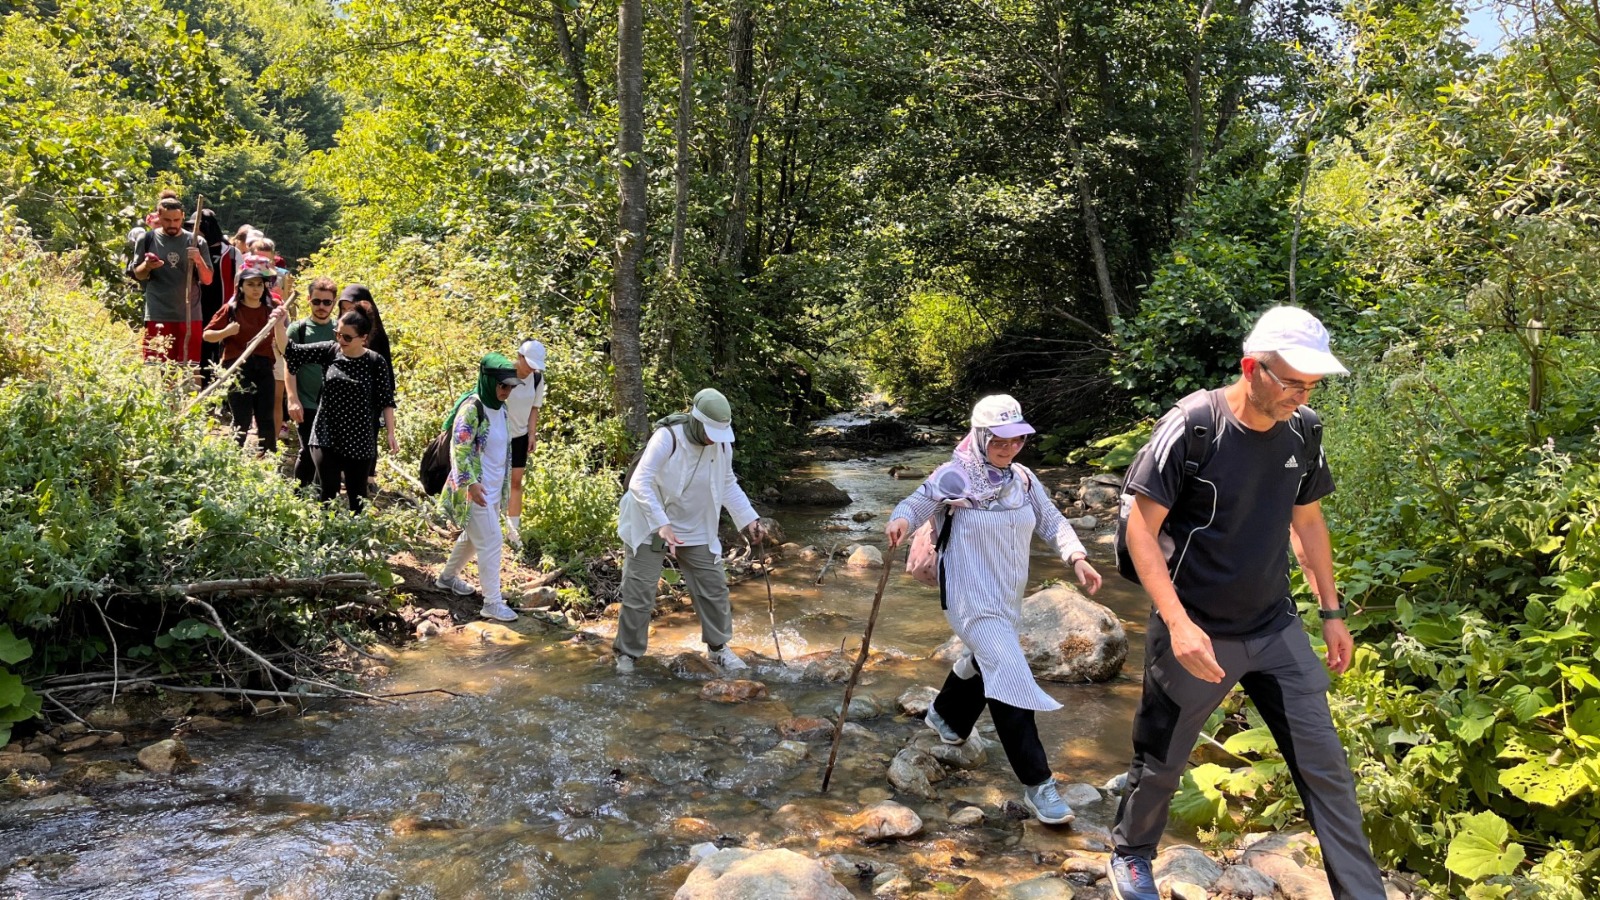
column 1210, row 541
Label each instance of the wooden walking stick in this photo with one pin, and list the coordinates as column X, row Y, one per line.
column 855, row 673
column 766, row 575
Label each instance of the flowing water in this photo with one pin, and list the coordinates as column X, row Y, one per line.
column 554, row 777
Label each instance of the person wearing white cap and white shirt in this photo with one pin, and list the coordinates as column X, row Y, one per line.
column 522, row 417
column 679, row 487
column 1223, row 614
column 995, row 507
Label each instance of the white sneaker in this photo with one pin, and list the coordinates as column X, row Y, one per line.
column 726, row 659
column 455, row 585
column 498, row 611
column 513, row 536
column 624, row 664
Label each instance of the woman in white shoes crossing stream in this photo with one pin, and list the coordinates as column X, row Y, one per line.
column 994, row 507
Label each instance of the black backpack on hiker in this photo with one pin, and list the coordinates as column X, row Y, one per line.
column 1199, row 428
column 434, row 470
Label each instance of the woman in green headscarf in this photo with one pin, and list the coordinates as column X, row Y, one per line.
column 475, row 493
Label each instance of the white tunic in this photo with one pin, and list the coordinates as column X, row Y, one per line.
column 687, row 487
column 986, row 570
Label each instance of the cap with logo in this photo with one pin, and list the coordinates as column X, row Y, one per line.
column 1298, row 339
column 1002, row 415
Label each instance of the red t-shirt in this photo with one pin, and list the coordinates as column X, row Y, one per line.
column 251, row 321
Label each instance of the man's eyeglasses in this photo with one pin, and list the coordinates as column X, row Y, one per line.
column 347, row 338
column 1291, row 387
column 321, row 301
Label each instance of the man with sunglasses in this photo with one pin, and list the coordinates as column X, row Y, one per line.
column 1210, row 540
column 304, row 387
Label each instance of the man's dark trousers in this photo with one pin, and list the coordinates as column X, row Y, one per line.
column 1282, row 675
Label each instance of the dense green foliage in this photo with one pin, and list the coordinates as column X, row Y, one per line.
column 108, row 496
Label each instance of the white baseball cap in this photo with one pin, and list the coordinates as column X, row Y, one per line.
column 1002, row 415
column 1298, row 338
column 532, row 352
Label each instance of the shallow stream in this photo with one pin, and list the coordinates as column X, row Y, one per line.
column 554, row 777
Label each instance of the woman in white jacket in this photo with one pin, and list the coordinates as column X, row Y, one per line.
column 674, row 502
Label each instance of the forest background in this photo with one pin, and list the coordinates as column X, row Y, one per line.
column 1083, row 203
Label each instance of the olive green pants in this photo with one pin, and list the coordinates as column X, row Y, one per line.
column 703, row 575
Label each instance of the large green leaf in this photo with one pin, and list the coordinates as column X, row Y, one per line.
column 12, row 648
column 1199, row 800
column 1482, row 848
column 1252, row 740
column 1538, row 781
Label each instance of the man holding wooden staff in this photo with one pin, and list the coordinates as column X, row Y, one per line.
column 163, row 262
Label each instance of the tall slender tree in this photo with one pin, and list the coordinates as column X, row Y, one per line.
column 627, row 285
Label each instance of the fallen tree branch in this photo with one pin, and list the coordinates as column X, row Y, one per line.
column 275, row 584
column 216, row 620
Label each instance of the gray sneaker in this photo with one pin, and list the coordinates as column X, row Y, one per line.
column 498, row 611
column 946, row 733
column 726, row 659
column 1045, row 802
column 455, row 584
column 624, row 664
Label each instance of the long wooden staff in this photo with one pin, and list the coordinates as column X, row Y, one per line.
column 855, row 673
column 188, row 275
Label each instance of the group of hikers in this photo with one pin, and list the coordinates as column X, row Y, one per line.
column 1229, row 484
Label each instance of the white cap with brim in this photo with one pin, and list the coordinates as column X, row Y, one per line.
column 1002, row 415
column 720, row 432
column 532, row 352
column 1298, row 339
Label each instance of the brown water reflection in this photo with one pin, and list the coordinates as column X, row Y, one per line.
column 555, row 777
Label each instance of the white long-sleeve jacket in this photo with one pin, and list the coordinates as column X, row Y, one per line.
column 660, row 482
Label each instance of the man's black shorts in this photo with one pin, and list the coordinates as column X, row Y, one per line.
column 519, row 452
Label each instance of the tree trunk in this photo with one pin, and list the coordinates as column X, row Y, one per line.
column 572, row 53
column 1197, row 122
column 741, row 128
column 680, row 201
column 627, row 288
column 1091, row 223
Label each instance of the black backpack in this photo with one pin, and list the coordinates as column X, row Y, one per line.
column 1199, row 423
column 434, row 469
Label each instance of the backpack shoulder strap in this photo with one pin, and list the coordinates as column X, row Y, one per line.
column 1199, row 425
column 1313, row 433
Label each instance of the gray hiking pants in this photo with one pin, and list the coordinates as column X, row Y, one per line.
column 1288, row 684
column 703, row 575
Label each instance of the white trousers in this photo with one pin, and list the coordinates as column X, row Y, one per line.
column 481, row 535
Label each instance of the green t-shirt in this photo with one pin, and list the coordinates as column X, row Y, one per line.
column 308, row 379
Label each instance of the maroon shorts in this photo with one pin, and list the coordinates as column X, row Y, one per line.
column 177, row 342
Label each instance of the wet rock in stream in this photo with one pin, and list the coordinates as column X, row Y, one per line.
column 887, row 820
column 915, row 772
column 814, row 492
column 166, row 757
column 768, row 874
column 733, row 691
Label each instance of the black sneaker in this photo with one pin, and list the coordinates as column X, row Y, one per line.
column 1131, row 878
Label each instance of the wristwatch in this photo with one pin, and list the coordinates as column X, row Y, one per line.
column 1336, row 613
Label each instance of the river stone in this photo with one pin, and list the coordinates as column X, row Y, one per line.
column 691, row 665
column 1295, row 881
column 804, row 728
column 165, row 757
column 419, row 825
column 733, row 690
column 1083, row 869
column 1116, row 784
column 768, row 874
column 915, row 772
column 826, row 667
column 1245, row 883
column 865, row 557
column 813, row 492
column 790, row 548
column 104, row 771
column 862, row 706
column 1182, row 863
column 915, row 701
column 1084, row 523
column 885, row 821
column 49, row 804
column 1044, row 887
column 25, row 763
column 1294, row 845
column 78, row 745
column 972, row 754
column 810, row 553
column 491, row 633
column 1065, row 636
column 967, row 816
column 1080, row 794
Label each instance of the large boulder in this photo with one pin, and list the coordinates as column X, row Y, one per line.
column 812, row 492
column 768, row 874
column 1066, row 637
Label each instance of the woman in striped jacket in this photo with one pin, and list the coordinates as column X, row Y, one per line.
column 995, row 508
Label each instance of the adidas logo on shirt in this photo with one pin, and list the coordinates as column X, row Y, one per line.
column 1293, row 463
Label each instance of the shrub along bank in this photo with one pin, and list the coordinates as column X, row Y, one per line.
column 109, row 493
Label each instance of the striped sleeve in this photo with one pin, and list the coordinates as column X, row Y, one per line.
column 920, row 506
column 1051, row 526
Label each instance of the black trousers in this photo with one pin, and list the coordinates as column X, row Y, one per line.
column 305, row 468
column 334, row 467
column 250, row 396
column 961, row 702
